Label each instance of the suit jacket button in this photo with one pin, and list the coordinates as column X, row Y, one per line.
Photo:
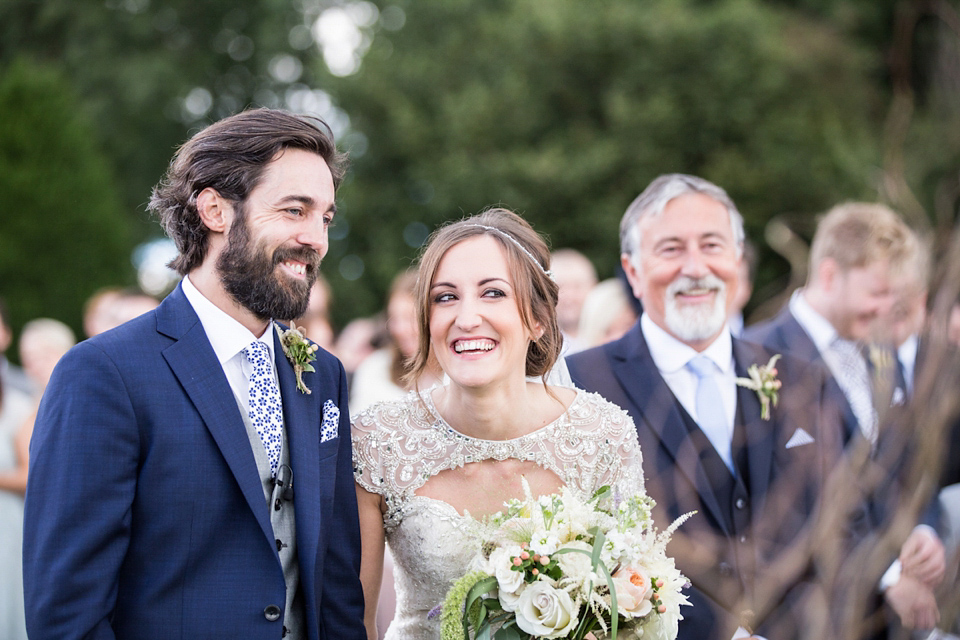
column 272, row 613
column 741, row 503
column 725, row 570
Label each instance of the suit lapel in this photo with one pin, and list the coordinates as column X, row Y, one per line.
column 759, row 432
column 301, row 419
column 192, row 360
column 660, row 412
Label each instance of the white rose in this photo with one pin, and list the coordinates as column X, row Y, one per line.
column 575, row 566
column 509, row 600
column 546, row 612
column 501, row 562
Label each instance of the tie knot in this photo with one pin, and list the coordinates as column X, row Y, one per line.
column 847, row 348
column 257, row 353
column 702, row 366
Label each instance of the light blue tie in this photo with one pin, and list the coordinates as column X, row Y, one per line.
column 710, row 414
column 266, row 411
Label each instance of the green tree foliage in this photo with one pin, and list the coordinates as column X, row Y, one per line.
column 63, row 232
column 149, row 74
column 564, row 110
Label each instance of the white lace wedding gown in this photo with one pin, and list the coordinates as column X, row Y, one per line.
column 398, row 446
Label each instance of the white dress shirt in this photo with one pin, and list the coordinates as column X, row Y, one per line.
column 853, row 377
column 907, row 355
column 671, row 357
column 228, row 338
column 817, row 327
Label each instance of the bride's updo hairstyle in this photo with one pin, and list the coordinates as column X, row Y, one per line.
column 528, row 259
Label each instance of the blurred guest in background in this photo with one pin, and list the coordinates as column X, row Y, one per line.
column 379, row 376
column 98, row 311
column 607, row 314
column 12, row 376
column 858, row 252
column 42, row 343
column 355, row 342
column 316, row 321
column 16, row 424
column 111, row 307
column 576, row 276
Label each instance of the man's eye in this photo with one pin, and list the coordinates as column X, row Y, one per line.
column 329, row 221
column 297, row 211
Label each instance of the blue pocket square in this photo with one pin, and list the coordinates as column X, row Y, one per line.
column 329, row 428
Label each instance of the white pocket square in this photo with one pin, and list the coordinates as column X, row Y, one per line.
column 799, row 438
column 329, row 428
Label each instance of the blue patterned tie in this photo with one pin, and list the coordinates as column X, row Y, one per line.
column 710, row 413
column 266, row 411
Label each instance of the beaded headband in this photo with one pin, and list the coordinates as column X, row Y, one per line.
column 504, row 234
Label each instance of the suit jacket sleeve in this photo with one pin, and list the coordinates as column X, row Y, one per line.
column 341, row 607
column 83, row 475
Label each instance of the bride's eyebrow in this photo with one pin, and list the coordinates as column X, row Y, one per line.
column 442, row 284
column 494, row 279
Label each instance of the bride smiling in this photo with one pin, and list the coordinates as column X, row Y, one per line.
column 428, row 465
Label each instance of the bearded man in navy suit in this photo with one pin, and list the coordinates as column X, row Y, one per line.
column 182, row 484
column 754, row 480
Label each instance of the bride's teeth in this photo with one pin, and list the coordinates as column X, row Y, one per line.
column 473, row 345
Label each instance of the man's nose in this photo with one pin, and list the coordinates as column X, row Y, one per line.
column 313, row 234
column 695, row 264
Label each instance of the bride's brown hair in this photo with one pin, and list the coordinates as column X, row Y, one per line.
column 528, row 259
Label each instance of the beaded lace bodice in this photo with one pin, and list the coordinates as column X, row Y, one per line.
column 398, row 446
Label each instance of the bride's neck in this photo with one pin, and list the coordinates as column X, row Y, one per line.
column 500, row 413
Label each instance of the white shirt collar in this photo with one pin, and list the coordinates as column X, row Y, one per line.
column 671, row 355
column 227, row 336
column 817, row 327
column 907, row 354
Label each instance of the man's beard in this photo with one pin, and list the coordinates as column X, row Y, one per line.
column 253, row 280
column 696, row 322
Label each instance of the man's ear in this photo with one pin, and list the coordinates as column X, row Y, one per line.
column 827, row 272
column 633, row 275
column 214, row 210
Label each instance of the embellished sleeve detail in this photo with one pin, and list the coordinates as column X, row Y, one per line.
column 613, row 458
column 396, row 447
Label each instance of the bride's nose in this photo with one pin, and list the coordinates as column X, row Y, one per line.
column 468, row 315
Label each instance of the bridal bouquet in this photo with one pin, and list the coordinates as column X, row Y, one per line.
column 559, row 567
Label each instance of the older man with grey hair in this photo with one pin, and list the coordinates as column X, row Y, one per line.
column 750, row 470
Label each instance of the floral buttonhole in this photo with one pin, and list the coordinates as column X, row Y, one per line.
column 300, row 352
column 763, row 380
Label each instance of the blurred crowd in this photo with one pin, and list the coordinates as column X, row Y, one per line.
column 891, row 312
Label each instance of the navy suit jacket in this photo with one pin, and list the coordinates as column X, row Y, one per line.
column 783, row 334
column 896, row 437
column 145, row 515
column 728, row 575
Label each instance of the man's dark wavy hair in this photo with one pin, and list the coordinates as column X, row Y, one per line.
column 230, row 156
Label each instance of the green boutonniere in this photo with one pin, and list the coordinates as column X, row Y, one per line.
column 763, row 380
column 300, row 352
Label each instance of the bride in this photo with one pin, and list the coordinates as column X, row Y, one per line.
column 428, row 465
